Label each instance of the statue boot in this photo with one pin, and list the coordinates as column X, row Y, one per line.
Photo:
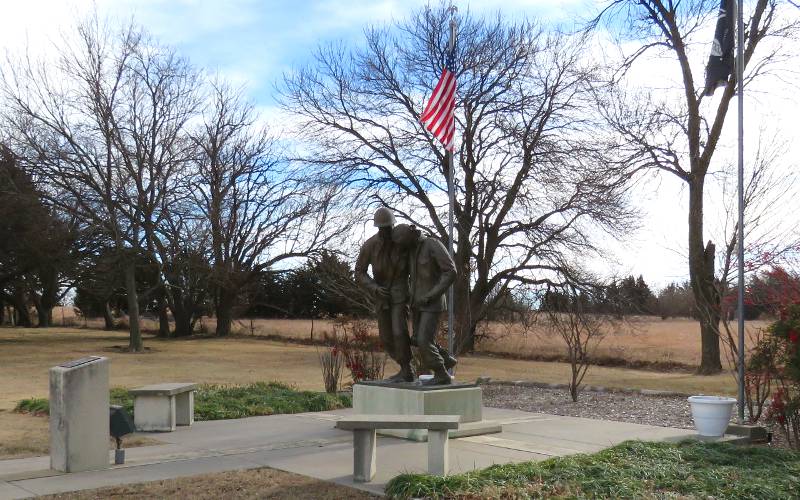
column 406, row 374
column 440, row 377
column 449, row 360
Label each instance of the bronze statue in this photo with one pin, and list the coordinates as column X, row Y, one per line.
column 432, row 272
column 389, row 286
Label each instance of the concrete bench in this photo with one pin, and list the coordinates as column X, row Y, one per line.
column 160, row 407
column 364, row 439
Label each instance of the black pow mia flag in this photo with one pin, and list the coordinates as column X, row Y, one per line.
column 720, row 62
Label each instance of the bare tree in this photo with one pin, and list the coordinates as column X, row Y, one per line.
column 532, row 186
column 62, row 118
column 155, row 150
column 105, row 128
column 676, row 130
column 260, row 210
column 579, row 329
column 771, row 242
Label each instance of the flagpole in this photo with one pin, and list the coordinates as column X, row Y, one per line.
column 451, row 313
column 740, row 237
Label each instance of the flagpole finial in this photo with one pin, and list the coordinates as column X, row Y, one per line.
column 452, row 9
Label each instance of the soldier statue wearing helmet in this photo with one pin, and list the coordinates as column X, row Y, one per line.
column 383, row 218
column 389, row 285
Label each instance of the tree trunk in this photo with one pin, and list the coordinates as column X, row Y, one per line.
column 23, row 317
column 181, row 314
column 45, row 315
column 225, row 301
column 135, row 344
column 701, row 273
column 22, row 314
column 2, row 312
column 49, row 297
column 709, row 336
column 183, row 322
column 163, row 316
column 710, row 361
column 463, row 331
column 573, row 390
column 108, row 318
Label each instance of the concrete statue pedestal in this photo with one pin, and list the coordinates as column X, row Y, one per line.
column 413, row 398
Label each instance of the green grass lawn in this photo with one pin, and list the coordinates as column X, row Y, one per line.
column 633, row 469
column 220, row 402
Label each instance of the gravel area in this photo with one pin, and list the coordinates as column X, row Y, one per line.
column 665, row 411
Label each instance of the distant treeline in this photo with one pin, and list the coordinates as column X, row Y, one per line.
column 308, row 291
column 633, row 296
column 44, row 257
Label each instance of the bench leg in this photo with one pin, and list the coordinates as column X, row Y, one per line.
column 363, row 455
column 154, row 413
column 438, row 452
column 184, row 408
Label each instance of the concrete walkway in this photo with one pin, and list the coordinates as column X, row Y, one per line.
column 308, row 444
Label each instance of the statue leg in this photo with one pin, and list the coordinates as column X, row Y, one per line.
column 426, row 324
column 402, row 342
column 449, row 360
column 385, row 331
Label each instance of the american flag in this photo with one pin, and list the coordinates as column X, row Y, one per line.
column 438, row 115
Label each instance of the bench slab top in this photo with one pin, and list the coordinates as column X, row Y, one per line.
column 368, row 421
column 167, row 389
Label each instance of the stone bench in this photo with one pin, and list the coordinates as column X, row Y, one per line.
column 160, row 407
column 364, row 439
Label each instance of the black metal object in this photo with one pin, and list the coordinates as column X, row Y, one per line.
column 79, row 362
column 121, row 424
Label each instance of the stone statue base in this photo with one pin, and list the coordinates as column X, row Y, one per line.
column 415, row 386
column 413, row 398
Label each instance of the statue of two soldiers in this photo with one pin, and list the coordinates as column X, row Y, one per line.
column 408, row 270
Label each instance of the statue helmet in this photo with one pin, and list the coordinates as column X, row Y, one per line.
column 383, row 217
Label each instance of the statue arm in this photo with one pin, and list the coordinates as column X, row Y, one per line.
column 362, row 263
column 442, row 257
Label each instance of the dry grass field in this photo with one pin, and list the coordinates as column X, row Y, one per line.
column 644, row 339
column 638, row 340
column 26, row 355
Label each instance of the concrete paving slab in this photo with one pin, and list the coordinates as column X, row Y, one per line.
column 18, row 465
column 249, row 432
column 309, row 444
column 540, row 448
column 394, row 456
column 13, row 492
column 586, row 434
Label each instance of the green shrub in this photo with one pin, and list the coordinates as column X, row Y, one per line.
column 220, row 402
column 633, row 469
column 121, row 397
column 36, row 406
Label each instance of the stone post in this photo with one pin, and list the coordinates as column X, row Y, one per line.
column 79, row 422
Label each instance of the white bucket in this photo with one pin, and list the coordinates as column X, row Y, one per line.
column 711, row 414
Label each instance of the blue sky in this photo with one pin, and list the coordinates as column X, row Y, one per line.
column 252, row 43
